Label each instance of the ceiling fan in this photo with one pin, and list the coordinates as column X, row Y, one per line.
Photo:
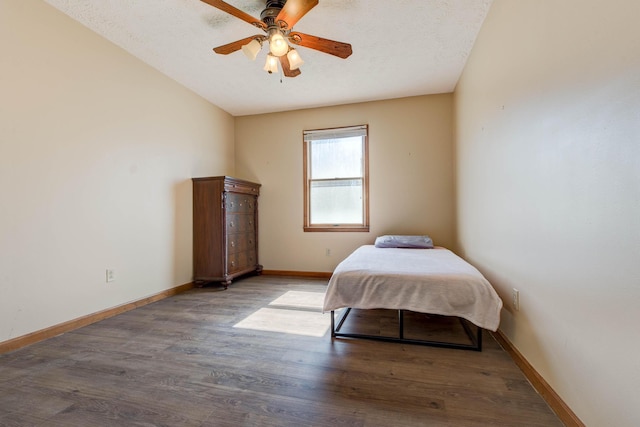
column 277, row 21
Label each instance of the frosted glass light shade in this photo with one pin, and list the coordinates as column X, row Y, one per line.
column 271, row 66
column 278, row 45
column 294, row 59
column 251, row 49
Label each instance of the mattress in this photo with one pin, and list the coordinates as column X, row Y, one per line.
column 434, row 281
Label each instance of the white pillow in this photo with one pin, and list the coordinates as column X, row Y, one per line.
column 394, row 241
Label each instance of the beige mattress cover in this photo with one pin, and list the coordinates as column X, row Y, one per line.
column 435, row 281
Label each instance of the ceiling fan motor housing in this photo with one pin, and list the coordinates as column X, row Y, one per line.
column 269, row 14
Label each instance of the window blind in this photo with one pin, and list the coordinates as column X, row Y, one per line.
column 315, row 135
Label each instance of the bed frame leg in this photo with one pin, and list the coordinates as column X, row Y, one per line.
column 475, row 339
column 333, row 324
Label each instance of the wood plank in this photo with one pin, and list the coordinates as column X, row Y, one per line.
column 182, row 361
column 310, row 274
column 43, row 334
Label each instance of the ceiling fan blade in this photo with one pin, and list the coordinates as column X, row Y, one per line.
column 234, row 46
column 293, row 10
column 286, row 68
column 339, row 49
column 231, row 10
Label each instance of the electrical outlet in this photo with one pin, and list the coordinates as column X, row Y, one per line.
column 515, row 299
column 328, row 252
column 111, row 275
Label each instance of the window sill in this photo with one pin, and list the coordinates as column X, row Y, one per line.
column 336, row 228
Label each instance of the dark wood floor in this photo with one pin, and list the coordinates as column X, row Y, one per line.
column 181, row 362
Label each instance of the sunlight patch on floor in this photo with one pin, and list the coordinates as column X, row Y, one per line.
column 298, row 313
column 287, row 321
column 300, row 299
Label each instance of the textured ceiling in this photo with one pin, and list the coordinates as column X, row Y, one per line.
column 400, row 48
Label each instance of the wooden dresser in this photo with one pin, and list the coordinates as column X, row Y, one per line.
column 225, row 229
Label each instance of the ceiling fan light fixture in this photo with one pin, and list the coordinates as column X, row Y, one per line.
column 278, row 46
column 252, row 49
column 271, row 66
column 294, row 59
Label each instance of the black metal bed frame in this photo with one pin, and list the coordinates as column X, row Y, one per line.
column 476, row 339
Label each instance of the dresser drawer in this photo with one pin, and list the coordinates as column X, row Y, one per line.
column 241, row 187
column 239, row 203
column 240, row 223
column 240, row 242
column 241, row 261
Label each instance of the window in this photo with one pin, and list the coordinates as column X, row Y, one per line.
column 336, row 179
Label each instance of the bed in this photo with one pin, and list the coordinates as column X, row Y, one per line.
column 434, row 281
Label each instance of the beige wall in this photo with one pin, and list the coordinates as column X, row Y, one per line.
column 97, row 151
column 548, row 161
column 96, row 155
column 411, row 176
